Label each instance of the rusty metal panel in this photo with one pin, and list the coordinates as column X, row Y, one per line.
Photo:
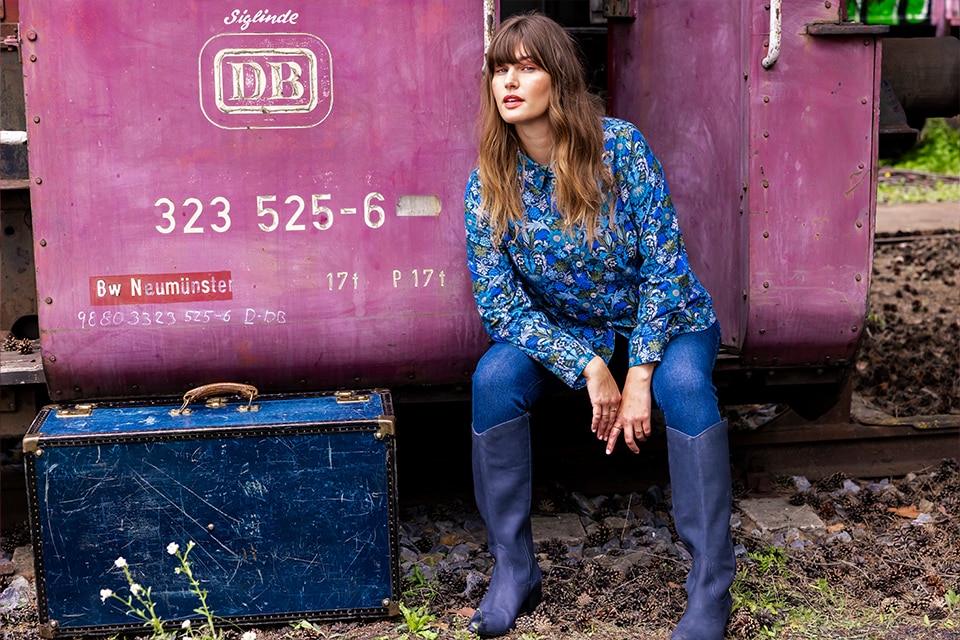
column 272, row 195
column 812, row 188
column 771, row 168
column 678, row 74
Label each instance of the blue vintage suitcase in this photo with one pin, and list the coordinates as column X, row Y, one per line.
column 290, row 501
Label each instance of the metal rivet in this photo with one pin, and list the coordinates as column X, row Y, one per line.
column 766, row 134
column 859, row 277
column 827, row 4
column 765, row 183
column 210, row 527
column 766, row 234
column 31, row 35
column 43, row 242
column 53, row 359
column 36, row 119
column 854, row 328
column 39, row 180
column 863, row 101
column 762, row 331
column 766, row 99
column 859, row 224
column 48, row 300
column 860, row 165
column 33, row 57
column 766, row 284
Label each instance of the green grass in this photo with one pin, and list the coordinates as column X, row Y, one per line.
column 937, row 152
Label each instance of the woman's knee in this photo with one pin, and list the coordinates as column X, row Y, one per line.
column 506, row 383
column 683, row 387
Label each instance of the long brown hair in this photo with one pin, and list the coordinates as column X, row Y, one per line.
column 583, row 181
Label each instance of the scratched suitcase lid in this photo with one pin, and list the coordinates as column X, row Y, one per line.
column 291, row 502
column 109, row 420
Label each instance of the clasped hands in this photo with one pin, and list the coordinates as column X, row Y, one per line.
column 615, row 412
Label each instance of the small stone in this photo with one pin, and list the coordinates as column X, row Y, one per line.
column 613, row 543
column 586, row 506
column 23, row 562
column 617, row 525
column 849, row 486
column 16, row 595
column 449, row 539
column 835, row 538
column 564, row 527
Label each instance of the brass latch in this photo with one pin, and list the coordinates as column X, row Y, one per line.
column 344, row 397
column 76, row 411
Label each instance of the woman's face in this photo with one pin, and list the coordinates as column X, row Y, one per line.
column 521, row 90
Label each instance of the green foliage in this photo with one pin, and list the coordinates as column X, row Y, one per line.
column 306, row 625
column 938, row 150
column 770, row 559
column 418, row 621
column 418, row 586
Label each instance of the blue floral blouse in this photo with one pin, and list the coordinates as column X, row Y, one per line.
column 562, row 301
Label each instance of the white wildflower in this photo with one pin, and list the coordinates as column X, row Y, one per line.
column 135, row 589
column 104, row 594
column 172, row 548
column 185, row 625
column 249, row 635
column 120, row 563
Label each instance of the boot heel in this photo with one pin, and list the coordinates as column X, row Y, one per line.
column 533, row 600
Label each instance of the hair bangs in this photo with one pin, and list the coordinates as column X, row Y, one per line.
column 505, row 48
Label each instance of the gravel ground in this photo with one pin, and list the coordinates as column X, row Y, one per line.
column 885, row 563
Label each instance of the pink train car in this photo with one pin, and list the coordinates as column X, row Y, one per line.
column 273, row 193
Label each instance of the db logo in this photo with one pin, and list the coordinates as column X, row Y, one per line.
column 265, row 80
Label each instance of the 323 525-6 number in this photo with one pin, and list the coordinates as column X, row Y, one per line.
column 294, row 215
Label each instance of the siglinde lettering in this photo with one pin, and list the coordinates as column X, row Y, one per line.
column 244, row 18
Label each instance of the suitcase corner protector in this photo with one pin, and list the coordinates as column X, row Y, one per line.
column 31, row 443
column 48, row 629
column 386, row 426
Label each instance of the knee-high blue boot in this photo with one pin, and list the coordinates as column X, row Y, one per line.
column 502, row 487
column 702, row 497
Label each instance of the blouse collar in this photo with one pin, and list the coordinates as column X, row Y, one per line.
column 533, row 173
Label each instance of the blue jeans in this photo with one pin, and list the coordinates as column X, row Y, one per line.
column 508, row 382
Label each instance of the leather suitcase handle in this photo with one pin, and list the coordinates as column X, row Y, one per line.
column 218, row 388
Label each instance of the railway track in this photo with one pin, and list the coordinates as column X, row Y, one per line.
column 890, row 175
